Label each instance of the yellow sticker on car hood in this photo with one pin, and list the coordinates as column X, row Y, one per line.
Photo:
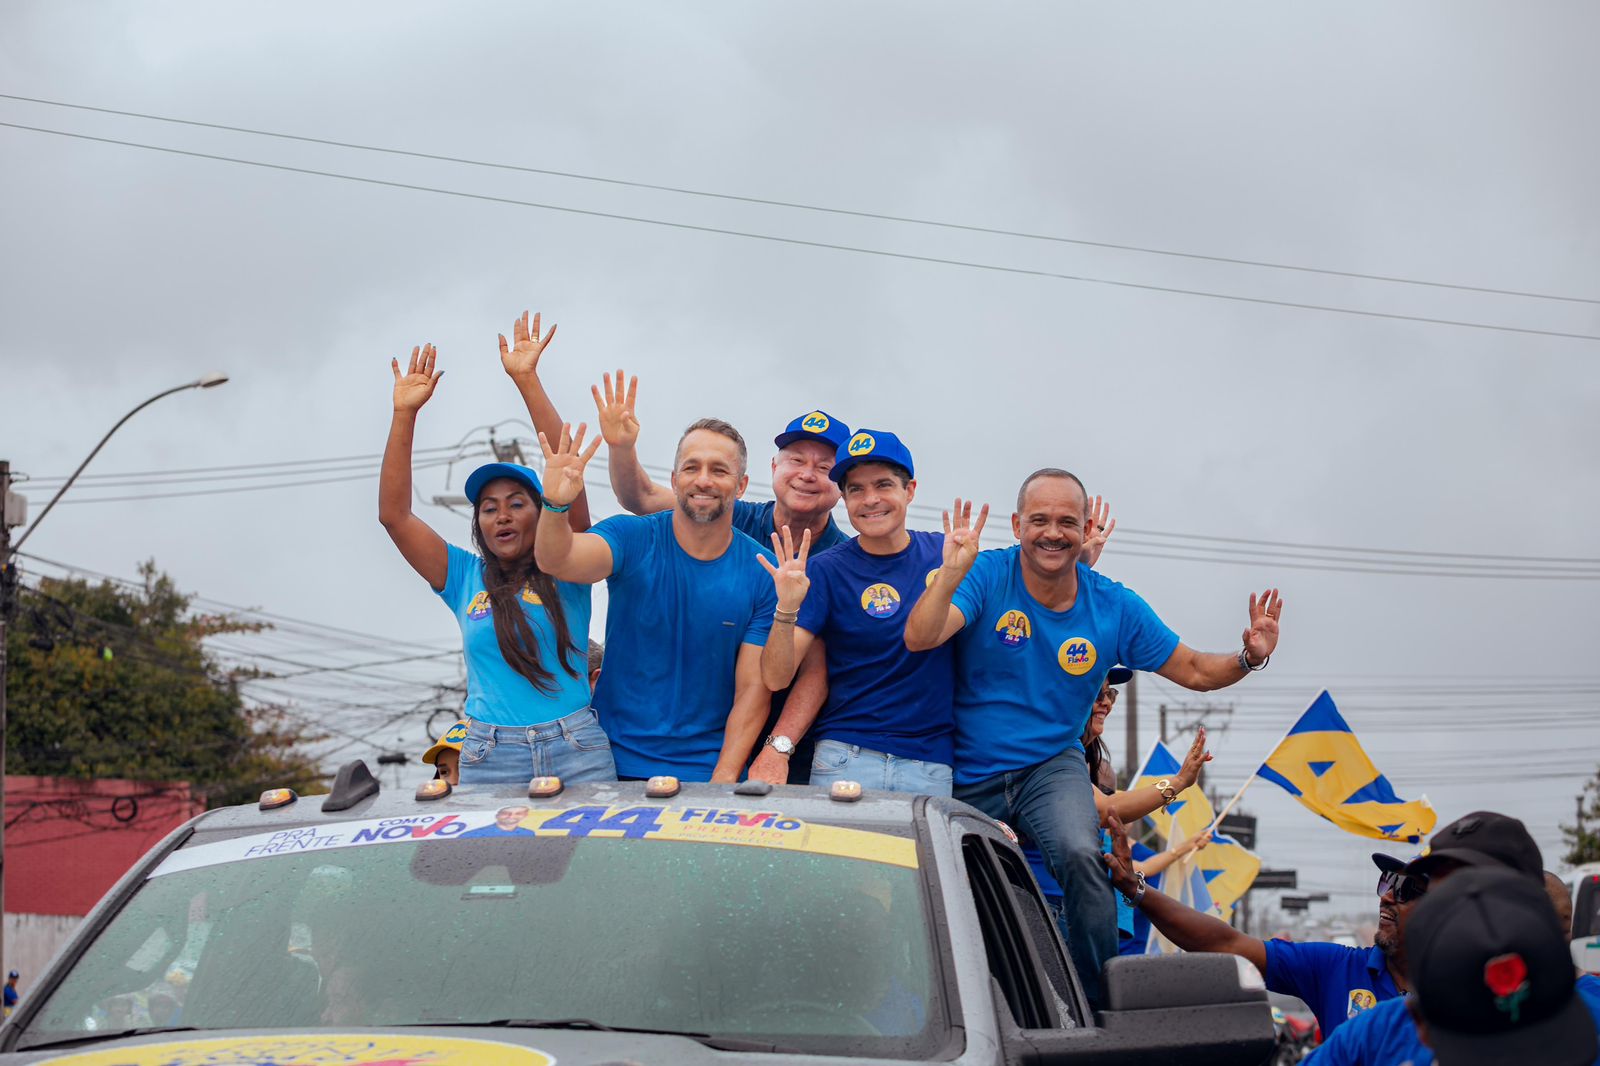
column 314, row 1050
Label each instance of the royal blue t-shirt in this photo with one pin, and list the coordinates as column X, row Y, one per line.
column 755, row 521
column 496, row 693
column 1027, row 677
column 880, row 695
column 1386, row 1034
column 1336, row 982
column 674, row 627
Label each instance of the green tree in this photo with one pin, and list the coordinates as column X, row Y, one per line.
column 114, row 682
column 1583, row 839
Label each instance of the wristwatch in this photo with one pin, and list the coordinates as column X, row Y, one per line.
column 780, row 744
column 1138, row 895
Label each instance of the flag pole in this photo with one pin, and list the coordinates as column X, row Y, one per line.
column 1259, row 764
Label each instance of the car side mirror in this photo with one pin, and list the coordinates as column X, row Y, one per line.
column 1197, row 1009
column 1586, row 953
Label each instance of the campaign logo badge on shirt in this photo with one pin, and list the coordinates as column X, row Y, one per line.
column 1013, row 629
column 1076, row 656
column 1360, row 999
column 479, row 607
column 928, row 581
column 815, row 422
column 880, row 600
column 531, row 597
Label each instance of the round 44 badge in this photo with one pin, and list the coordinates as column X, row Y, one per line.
column 1013, row 629
column 1076, row 656
column 880, row 600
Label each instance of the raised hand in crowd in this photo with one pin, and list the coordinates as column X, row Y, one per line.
column 521, row 357
column 1198, row 756
column 415, row 387
column 789, row 577
column 961, row 536
column 1262, row 637
column 1101, row 525
column 619, row 425
column 565, row 463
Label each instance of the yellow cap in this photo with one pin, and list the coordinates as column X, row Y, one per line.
column 451, row 739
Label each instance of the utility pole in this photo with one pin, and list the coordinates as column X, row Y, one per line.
column 13, row 512
column 1130, row 754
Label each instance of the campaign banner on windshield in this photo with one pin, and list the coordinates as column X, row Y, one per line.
column 711, row 825
column 315, row 1050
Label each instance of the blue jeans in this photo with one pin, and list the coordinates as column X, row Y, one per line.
column 837, row 761
column 1053, row 803
column 573, row 748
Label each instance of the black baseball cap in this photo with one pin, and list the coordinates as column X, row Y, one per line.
column 1483, row 838
column 1119, row 675
column 1491, row 975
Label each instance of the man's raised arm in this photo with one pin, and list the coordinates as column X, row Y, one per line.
column 935, row 619
column 785, row 646
column 1184, row 926
column 620, row 428
column 581, row 558
column 1205, row 671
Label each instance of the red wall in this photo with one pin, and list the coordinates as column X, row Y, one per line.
column 68, row 840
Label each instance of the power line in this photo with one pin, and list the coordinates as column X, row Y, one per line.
column 333, row 459
column 793, row 205
column 229, row 490
column 804, row 243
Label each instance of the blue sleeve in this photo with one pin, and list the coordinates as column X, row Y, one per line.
column 1292, row 968
column 1146, row 642
column 621, row 532
column 766, row 601
column 973, row 591
column 457, row 574
column 1344, row 1046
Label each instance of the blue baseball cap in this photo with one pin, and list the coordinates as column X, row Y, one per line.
column 488, row 472
column 816, row 425
column 871, row 446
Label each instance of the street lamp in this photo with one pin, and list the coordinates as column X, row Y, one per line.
column 8, row 583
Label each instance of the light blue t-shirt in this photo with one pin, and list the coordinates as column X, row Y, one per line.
column 674, row 627
column 496, row 693
column 1386, row 1035
column 755, row 521
column 1027, row 677
column 880, row 695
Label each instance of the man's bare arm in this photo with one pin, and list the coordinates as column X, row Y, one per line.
column 752, row 702
column 1205, row 671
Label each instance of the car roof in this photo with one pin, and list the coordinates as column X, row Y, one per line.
column 879, row 810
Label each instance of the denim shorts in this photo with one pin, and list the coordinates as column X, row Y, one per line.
column 837, row 761
column 573, row 748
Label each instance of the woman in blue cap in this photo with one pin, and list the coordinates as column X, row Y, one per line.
column 523, row 633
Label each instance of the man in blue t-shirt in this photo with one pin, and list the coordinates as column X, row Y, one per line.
column 803, row 499
column 1386, row 1034
column 887, row 721
column 1035, row 635
column 688, row 609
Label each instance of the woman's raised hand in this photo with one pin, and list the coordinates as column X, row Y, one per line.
column 412, row 389
column 521, row 357
column 564, row 464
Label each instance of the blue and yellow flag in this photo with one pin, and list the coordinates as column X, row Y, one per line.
column 1321, row 764
column 1226, row 868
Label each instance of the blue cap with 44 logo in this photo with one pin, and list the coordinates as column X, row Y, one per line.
column 871, row 446
column 814, row 425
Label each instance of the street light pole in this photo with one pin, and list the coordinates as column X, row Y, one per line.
column 8, row 584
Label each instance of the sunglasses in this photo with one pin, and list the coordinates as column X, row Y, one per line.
column 1405, row 887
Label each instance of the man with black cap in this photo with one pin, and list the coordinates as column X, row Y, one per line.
column 1480, row 840
column 1492, row 981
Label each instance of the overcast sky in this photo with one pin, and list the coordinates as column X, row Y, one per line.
column 1446, row 142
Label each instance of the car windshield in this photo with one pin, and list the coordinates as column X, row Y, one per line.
column 696, row 920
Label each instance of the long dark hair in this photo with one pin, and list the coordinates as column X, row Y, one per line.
column 519, row 646
column 1096, row 752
